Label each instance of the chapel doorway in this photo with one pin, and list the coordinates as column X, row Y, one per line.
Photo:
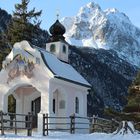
column 11, row 104
column 11, row 107
column 35, row 106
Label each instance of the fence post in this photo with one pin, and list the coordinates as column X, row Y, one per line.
column 90, row 125
column 15, row 124
column 72, row 124
column 94, row 123
column 44, row 125
column 31, row 124
column 47, row 123
column 29, row 131
column 112, row 125
column 2, row 123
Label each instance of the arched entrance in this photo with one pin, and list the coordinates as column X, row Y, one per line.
column 27, row 98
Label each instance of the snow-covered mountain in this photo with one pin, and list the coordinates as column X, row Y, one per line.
column 109, row 29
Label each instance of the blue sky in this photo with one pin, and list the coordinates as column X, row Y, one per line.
column 71, row 7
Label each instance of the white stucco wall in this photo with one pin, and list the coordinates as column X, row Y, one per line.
column 70, row 91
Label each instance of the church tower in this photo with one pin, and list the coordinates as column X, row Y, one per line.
column 57, row 44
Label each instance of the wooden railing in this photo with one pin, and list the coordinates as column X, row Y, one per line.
column 104, row 125
column 46, row 124
column 10, row 121
column 72, row 124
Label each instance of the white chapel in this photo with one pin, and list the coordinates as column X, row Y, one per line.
column 42, row 80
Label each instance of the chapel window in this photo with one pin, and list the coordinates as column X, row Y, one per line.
column 52, row 48
column 76, row 105
column 64, row 49
column 53, row 105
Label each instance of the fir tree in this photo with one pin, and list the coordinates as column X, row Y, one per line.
column 4, row 49
column 133, row 105
column 24, row 23
column 137, row 80
column 131, row 111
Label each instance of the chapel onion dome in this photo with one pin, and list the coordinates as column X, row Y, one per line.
column 57, row 28
column 57, row 31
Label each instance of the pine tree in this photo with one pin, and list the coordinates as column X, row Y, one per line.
column 131, row 111
column 4, row 49
column 137, row 80
column 133, row 105
column 24, row 23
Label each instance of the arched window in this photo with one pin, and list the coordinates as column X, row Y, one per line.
column 53, row 105
column 64, row 49
column 76, row 105
column 52, row 48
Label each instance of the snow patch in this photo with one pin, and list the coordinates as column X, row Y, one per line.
column 67, row 136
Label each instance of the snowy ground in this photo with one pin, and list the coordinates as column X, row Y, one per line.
column 67, row 136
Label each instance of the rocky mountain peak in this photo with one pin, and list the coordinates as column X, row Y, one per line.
column 108, row 29
column 89, row 9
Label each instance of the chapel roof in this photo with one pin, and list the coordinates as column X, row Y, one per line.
column 62, row 70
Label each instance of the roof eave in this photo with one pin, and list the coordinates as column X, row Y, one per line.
column 71, row 81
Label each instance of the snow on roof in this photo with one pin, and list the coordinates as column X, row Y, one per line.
column 63, row 70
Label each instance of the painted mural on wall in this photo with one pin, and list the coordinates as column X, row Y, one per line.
column 19, row 67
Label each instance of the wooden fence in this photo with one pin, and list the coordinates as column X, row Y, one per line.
column 72, row 124
column 104, row 125
column 11, row 121
column 46, row 124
